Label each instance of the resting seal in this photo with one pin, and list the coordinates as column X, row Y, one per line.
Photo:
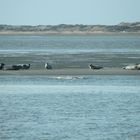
column 48, row 66
column 2, row 66
column 93, row 67
column 132, row 67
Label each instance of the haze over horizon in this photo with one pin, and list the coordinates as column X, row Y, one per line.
column 53, row 12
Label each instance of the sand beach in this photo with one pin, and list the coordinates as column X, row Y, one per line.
column 70, row 64
column 70, row 55
column 72, row 71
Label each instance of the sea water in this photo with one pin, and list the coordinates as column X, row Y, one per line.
column 70, row 51
column 69, row 107
column 60, row 44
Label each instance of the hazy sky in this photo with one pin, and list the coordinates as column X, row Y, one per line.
column 52, row 12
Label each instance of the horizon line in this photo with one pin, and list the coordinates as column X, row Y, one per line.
column 123, row 22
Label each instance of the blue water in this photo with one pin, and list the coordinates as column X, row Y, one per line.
column 69, row 107
column 125, row 44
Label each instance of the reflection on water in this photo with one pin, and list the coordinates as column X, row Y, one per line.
column 69, row 108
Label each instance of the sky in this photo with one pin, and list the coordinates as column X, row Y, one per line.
column 54, row 12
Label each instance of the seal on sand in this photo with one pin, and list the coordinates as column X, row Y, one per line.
column 2, row 66
column 93, row 67
column 132, row 67
column 48, row 66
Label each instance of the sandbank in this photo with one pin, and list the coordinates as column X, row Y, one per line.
column 71, row 71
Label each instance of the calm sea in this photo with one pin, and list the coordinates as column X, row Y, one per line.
column 70, row 107
column 70, row 44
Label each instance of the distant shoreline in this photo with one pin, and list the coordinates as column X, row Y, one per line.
column 68, row 33
column 68, row 29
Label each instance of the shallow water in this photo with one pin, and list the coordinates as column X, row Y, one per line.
column 70, row 51
column 70, row 107
column 70, row 44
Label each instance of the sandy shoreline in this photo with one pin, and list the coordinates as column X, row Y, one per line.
column 70, row 64
column 72, row 71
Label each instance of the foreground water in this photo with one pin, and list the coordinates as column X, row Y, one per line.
column 70, row 107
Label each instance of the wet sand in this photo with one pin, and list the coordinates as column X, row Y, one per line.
column 70, row 64
column 72, row 71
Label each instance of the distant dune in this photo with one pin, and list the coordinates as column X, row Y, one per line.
column 71, row 29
